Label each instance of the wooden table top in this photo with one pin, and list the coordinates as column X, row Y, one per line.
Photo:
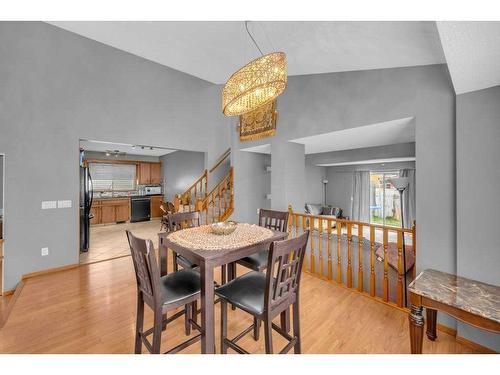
column 212, row 254
column 465, row 294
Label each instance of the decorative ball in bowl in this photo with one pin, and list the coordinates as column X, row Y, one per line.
column 223, row 227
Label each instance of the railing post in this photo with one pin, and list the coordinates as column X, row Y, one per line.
column 349, row 261
column 291, row 220
column 329, row 250
column 414, row 245
column 311, row 227
column 360, row 257
column 386, row 279
column 177, row 202
column 320, row 247
column 339, row 250
column 303, row 230
column 372, row 261
column 399, row 297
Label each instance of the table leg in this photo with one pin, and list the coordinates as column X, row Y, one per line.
column 431, row 323
column 416, row 321
column 163, row 253
column 207, row 308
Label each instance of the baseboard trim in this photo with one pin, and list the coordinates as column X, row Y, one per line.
column 446, row 329
column 462, row 340
column 5, row 316
column 474, row 345
column 49, row 271
column 7, row 293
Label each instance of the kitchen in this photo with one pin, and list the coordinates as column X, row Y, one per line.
column 121, row 188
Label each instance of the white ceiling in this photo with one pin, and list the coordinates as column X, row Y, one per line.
column 380, row 134
column 472, row 52
column 123, row 147
column 214, row 50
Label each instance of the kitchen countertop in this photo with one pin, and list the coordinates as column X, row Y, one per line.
column 127, row 197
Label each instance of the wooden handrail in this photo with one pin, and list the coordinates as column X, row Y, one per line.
column 216, row 200
column 219, row 161
column 352, row 261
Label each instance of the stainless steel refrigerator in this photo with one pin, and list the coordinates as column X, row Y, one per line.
column 86, row 198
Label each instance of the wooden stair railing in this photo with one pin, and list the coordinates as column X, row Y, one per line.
column 353, row 260
column 198, row 190
column 221, row 159
column 218, row 205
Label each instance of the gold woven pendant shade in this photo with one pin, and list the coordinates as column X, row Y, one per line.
column 257, row 83
column 259, row 123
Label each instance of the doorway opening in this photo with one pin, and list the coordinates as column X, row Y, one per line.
column 385, row 207
column 123, row 187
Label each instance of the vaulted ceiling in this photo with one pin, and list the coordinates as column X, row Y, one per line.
column 214, row 50
column 472, row 50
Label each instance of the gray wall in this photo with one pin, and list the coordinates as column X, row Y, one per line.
column 314, row 185
column 102, row 156
column 478, row 198
column 340, row 180
column 368, row 153
column 180, row 170
column 252, row 182
column 288, row 176
column 58, row 87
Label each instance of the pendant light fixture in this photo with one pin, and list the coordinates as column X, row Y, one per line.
column 259, row 82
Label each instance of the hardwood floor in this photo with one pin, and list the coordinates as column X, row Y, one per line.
column 91, row 309
column 109, row 241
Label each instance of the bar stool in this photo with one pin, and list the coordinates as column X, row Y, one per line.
column 264, row 296
column 178, row 221
column 162, row 294
column 275, row 220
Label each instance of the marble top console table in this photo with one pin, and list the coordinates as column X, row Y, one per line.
column 467, row 300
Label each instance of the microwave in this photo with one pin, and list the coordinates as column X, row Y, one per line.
column 153, row 190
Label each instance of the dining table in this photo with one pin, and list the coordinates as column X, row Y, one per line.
column 208, row 251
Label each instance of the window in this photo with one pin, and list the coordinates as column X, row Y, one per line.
column 385, row 205
column 113, row 177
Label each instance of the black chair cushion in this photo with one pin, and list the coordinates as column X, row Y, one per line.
column 256, row 262
column 179, row 285
column 185, row 262
column 245, row 292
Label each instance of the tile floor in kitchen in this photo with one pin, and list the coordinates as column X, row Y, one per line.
column 110, row 241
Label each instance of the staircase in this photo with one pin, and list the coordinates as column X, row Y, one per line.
column 216, row 205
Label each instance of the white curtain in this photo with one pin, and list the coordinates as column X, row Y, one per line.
column 409, row 197
column 361, row 196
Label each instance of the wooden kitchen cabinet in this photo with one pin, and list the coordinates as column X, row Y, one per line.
column 144, row 173
column 107, row 214
column 155, row 173
column 156, row 211
column 122, row 212
column 107, row 211
column 96, row 211
column 148, row 173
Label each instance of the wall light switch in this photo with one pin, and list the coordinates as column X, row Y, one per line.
column 45, row 251
column 63, row 204
column 47, row 205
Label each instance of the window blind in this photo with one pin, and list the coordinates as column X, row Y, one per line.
column 113, row 177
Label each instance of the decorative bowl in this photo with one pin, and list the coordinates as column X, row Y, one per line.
column 223, row 227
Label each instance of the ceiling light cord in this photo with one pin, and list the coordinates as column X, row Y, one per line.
column 251, row 37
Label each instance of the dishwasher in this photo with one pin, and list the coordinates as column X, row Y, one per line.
column 141, row 209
